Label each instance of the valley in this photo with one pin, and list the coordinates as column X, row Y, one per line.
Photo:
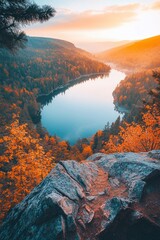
column 39, row 82
column 79, row 120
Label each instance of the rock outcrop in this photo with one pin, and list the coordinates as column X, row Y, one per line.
column 114, row 197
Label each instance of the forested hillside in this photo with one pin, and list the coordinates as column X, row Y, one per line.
column 139, row 129
column 133, row 90
column 45, row 64
column 27, row 151
column 135, row 56
column 38, row 69
column 54, row 94
column 137, row 96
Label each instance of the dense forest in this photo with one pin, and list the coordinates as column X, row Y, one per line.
column 134, row 96
column 46, row 64
column 94, row 194
column 28, row 153
column 40, row 68
column 139, row 129
column 131, row 93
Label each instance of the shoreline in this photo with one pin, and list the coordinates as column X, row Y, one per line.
column 108, row 77
column 71, row 82
column 121, row 109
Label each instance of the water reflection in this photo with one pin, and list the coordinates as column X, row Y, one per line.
column 45, row 99
column 83, row 109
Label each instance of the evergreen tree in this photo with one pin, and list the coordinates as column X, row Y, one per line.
column 155, row 93
column 153, row 106
column 115, row 126
column 14, row 14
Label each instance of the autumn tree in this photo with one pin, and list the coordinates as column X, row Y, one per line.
column 87, row 151
column 136, row 137
column 23, row 164
column 133, row 91
column 142, row 136
column 154, row 104
column 17, row 13
column 97, row 140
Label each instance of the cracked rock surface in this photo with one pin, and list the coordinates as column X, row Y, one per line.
column 114, row 197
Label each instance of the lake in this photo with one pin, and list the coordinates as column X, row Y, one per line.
column 83, row 109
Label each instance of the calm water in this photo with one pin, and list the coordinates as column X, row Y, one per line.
column 82, row 109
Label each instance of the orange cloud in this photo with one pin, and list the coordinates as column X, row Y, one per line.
column 124, row 8
column 95, row 21
column 156, row 5
column 153, row 6
column 110, row 17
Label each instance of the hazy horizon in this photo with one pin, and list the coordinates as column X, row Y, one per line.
column 94, row 21
column 97, row 47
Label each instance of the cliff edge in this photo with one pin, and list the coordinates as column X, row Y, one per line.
column 115, row 197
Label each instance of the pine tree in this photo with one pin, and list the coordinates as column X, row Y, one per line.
column 17, row 13
column 155, row 93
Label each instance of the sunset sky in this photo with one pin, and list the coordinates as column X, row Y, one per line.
column 99, row 20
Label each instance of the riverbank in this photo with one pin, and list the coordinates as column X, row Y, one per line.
column 72, row 82
column 121, row 109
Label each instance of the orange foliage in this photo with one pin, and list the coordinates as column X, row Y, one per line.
column 87, row 151
column 24, row 164
column 135, row 137
column 131, row 92
column 99, row 133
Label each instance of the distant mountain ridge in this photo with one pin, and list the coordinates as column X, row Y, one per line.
column 42, row 42
column 96, row 47
column 143, row 54
column 42, row 66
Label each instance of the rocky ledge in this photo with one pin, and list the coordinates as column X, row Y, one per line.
column 114, row 197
